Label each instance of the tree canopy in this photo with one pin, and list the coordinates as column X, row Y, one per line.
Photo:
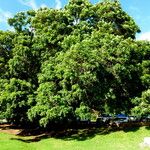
column 60, row 64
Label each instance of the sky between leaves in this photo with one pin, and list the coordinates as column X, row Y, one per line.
column 139, row 10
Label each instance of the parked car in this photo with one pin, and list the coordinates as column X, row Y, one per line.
column 83, row 121
column 133, row 118
column 103, row 119
column 145, row 118
column 119, row 119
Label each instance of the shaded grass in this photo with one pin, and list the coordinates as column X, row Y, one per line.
column 73, row 139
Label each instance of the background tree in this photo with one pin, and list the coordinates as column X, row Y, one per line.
column 6, row 46
column 142, row 101
column 14, row 102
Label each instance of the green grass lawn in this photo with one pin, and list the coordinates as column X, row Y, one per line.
column 81, row 140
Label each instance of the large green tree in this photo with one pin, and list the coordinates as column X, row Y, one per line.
column 59, row 65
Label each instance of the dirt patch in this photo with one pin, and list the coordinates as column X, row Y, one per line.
column 10, row 129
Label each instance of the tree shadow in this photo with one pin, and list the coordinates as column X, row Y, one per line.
column 148, row 127
column 79, row 133
column 32, row 139
column 131, row 129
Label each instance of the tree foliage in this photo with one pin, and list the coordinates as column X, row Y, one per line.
column 59, row 65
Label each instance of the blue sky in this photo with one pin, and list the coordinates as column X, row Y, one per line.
column 139, row 10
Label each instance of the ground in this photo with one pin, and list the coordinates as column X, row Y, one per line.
column 73, row 139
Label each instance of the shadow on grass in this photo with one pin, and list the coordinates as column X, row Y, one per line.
column 148, row 127
column 131, row 129
column 31, row 139
column 67, row 134
column 79, row 134
column 136, row 126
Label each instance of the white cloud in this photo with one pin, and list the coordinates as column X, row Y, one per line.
column 144, row 36
column 29, row 3
column 43, row 6
column 4, row 15
column 58, row 4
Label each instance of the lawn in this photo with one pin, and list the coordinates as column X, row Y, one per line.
column 85, row 139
